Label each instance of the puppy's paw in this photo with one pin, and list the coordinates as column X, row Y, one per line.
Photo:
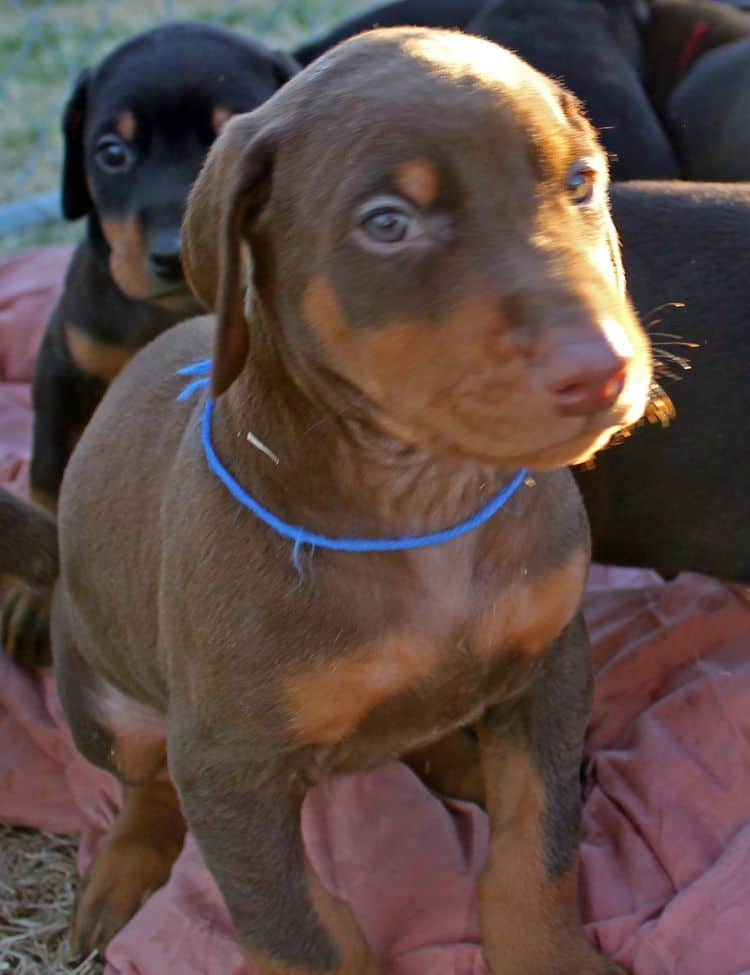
column 122, row 877
column 24, row 626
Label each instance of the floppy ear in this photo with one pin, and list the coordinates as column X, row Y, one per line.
column 231, row 191
column 76, row 199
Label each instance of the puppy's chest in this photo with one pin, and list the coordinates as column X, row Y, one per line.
column 452, row 642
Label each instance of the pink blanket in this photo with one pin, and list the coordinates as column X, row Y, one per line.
column 665, row 886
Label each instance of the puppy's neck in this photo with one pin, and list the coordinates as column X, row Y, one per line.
column 316, row 453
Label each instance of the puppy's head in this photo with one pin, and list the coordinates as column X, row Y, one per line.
column 424, row 217
column 137, row 129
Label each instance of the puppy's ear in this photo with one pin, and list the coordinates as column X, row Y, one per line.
column 284, row 66
column 76, row 199
column 229, row 195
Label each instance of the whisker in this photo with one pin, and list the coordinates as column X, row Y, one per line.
column 662, row 354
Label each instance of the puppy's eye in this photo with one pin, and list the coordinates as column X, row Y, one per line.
column 387, row 225
column 581, row 184
column 113, row 155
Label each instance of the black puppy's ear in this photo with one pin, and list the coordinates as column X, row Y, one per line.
column 76, row 199
column 284, row 67
column 227, row 198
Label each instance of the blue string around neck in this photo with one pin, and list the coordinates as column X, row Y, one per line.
column 301, row 536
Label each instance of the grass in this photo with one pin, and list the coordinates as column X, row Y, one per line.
column 45, row 43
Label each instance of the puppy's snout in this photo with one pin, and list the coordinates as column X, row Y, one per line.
column 587, row 377
column 164, row 257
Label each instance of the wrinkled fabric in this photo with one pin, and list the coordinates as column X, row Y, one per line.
column 665, row 856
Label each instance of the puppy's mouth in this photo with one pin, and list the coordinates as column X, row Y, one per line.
column 580, row 441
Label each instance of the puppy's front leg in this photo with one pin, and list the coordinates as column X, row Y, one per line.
column 531, row 758
column 251, row 840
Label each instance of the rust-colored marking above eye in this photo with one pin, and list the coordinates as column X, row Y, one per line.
column 220, row 115
column 418, row 180
column 126, row 125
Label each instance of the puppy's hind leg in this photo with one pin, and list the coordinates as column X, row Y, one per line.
column 134, row 860
column 137, row 855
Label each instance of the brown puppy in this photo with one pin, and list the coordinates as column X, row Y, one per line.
column 418, row 292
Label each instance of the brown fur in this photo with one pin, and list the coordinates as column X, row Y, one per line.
column 400, row 389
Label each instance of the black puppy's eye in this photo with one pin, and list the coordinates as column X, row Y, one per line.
column 581, row 184
column 113, row 155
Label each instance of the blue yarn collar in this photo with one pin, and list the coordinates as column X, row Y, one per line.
column 299, row 535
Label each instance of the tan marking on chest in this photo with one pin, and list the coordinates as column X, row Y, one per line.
column 98, row 359
column 418, row 180
column 529, row 615
column 328, row 701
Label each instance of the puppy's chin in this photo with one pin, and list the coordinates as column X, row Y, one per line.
column 575, row 446
column 176, row 299
column 138, row 284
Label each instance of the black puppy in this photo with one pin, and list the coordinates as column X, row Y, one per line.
column 451, row 14
column 136, row 129
column 676, row 498
column 593, row 46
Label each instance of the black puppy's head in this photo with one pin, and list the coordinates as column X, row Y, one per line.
column 137, row 128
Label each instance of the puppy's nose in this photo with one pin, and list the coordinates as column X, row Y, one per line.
column 586, row 378
column 164, row 257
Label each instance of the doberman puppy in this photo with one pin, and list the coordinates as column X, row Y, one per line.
column 676, row 498
column 137, row 128
column 420, row 319
column 592, row 46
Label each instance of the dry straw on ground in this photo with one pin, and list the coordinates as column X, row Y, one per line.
column 37, row 890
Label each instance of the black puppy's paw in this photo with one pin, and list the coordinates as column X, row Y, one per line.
column 24, row 626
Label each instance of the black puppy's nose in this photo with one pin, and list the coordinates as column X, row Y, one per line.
column 164, row 257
